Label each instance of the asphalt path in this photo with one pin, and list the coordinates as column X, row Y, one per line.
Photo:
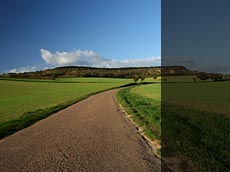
column 90, row 136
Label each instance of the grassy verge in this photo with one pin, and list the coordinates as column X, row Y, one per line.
column 144, row 111
column 192, row 139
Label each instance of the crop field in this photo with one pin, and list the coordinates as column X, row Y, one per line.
column 23, row 99
column 195, row 123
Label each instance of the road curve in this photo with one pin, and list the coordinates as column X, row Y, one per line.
column 90, row 136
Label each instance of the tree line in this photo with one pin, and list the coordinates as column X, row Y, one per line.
column 212, row 76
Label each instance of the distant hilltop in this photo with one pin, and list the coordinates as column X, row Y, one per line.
column 81, row 71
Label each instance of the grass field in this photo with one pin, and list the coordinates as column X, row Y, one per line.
column 195, row 123
column 151, row 91
column 207, row 96
column 24, row 100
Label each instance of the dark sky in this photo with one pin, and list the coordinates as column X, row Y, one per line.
column 196, row 33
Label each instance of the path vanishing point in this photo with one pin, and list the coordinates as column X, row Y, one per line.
column 90, row 136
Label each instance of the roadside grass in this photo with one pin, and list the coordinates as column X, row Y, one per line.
column 145, row 111
column 194, row 122
column 24, row 102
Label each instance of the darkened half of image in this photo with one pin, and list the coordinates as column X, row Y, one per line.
column 195, row 75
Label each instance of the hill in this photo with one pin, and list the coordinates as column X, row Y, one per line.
column 80, row 71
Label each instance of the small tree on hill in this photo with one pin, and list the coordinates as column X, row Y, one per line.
column 155, row 77
column 202, row 76
column 135, row 78
column 142, row 77
column 226, row 77
column 53, row 76
column 216, row 77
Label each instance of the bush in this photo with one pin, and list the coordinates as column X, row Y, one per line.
column 202, row 76
column 216, row 77
column 135, row 78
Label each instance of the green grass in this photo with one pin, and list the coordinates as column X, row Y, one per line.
column 72, row 80
column 23, row 102
column 144, row 104
column 194, row 119
column 196, row 123
column 151, row 91
column 206, row 96
column 199, row 135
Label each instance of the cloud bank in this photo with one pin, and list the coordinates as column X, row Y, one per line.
column 23, row 69
column 90, row 58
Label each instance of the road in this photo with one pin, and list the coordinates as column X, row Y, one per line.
column 90, row 136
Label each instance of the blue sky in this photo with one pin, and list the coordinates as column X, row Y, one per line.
column 103, row 33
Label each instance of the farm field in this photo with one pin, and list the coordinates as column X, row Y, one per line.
column 195, row 122
column 207, row 96
column 34, row 99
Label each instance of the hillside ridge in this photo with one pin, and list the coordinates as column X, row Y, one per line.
column 83, row 71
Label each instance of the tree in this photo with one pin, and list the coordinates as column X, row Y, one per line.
column 135, row 78
column 142, row 77
column 202, row 76
column 164, row 80
column 216, row 77
column 53, row 76
column 226, row 77
column 155, row 77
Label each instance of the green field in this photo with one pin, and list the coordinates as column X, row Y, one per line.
column 207, row 96
column 21, row 99
column 195, row 123
column 151, row 91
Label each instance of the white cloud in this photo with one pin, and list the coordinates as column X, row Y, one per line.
column 144, row 62
column 90, row 58
column 76, row 57
column 23, row 69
